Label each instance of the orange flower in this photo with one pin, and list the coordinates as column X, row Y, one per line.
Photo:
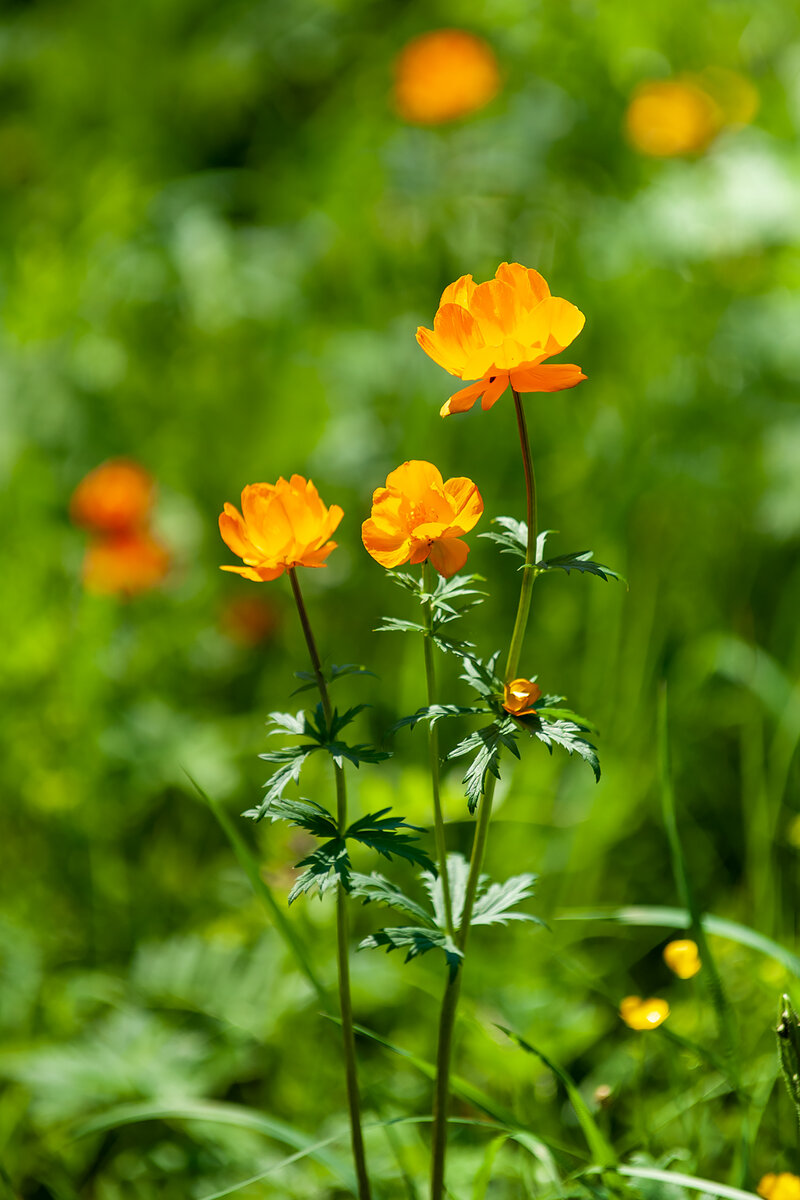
column 669, row 117
column 115, row 496
column 124, row 564
column 417, row 516
column 780, row 1187
column 501, row 332
column 444, row 75
column 285, row 524
column 681, row 957
column 519, row 696
column 643, row 1014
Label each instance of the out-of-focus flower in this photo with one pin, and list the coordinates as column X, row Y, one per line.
column 281, row 525
column 443, row 75
column 519, row 697
column 114, row 497
column 670, row 117
column 249, row 620
column 681, row 956
column 643, row 1014
column 780, row 1187
column 501, row 332
column 417, row 516
column 124, row 564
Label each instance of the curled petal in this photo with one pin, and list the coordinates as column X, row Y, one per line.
column 467, row 503
column 529, row 284
column 559, row 323
column 550, row 377
column 463, row 400
column 390, row 549
column 494, row 391
column 257, row 574
column 459, row 292
column 448, row 555
column 234, row 533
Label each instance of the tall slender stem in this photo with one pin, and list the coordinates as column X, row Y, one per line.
column 433, row 754
column 452, row 991
column 343, row 962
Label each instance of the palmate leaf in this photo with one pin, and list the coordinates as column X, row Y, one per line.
column 291, row 761
column 481, row 675
column 582, row 561
column 325, row 868
column 570, row 735
column 487, row 745
column 387, row 836
column 376, row 889
column 512, row 537
column 415, row 941
column 433, row 713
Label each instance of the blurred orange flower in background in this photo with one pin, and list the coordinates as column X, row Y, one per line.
column 780, row 1187
column 643, row 1014
column 500, row 332
column 443, row 75
column 417, row 516
column 519, row 696
column 116, row 496
column 249, row 620
column 125, row 563
column 281, row 525
column 670, row 117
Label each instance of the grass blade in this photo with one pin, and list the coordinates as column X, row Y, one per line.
column 688, row 1181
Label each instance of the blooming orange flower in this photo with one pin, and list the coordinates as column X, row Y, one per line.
column 501, row 332
column 519, row 696
column 417, row 516
column 668, row 117
column 643, row 1014
column 681, row 956
column 124, row 564
column 444, row 75
column 281, row 525
column 115, row 496
column 780, row 1187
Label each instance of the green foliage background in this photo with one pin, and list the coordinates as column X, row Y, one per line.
column 217, row 242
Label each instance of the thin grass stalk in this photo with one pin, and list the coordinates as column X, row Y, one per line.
column 452, row 990
column 342, row 924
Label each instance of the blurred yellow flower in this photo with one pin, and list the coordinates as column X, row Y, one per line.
column 681, row 956
column 519, row 696
column 780, row 1187
column 443, row 75
column 643, row 1014
column 282, row 525
column 500, row 332
column 669, row 117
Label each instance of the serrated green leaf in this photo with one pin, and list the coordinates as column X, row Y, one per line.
column 487, row 745
column 284, row 722
column 307, row 814
column 494, row 905
column 396, row 625
column 481, row 675
column 291, row 759
column 339, row 751
column 434, row 713
column 376, row 889
column 569, row 735
column 330, row 676
column 387, row 836
column 457, row 875
column 579, row 560
column 415, row 941
column 328, row 866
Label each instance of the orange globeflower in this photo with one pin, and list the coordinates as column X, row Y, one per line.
column 780, row 1187
column 443, row 75
column 124, row 564
column 519, row 696
column 115, row 496
column 501, row 332
column 643, row 1014
column 668, row 117
column 417, row 516
column 282, row 525
column 681, row 956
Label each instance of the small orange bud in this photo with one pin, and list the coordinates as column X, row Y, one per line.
column 519, row 696
column 643, row 1014
column 681, row 956
column 124, row 564
column 114, row 497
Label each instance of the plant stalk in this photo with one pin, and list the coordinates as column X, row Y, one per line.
column 343, row 962
column 433, row 754
column 450, row 1000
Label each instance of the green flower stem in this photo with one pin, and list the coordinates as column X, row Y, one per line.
column 342, row 936
column 433, row 753
column 451, row 995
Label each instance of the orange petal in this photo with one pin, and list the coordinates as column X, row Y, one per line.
column 529, row 284
column 448, row 555
column 388, row 549
column 552, row 377
column 458, row 330
column 439, row 350
column 494, row 391
column 413, row 478
column 464, row 399
column 458, row 292
column 496, row 308
column 257, row 574
column 558, row 323
column 234, row 533
column 467, row 503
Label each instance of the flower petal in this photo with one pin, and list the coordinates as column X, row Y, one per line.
column 529, row 284
column 257, row 574
column 494, row 391
column 448, row 555
column 458, row 292
column 413, row 478
column 234, row 533
column 388, row 549
column 463, row 400
column 467, row 503
column 551, row 377
column 558, row 323
column 496, row 308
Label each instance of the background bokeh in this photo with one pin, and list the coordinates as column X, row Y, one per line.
column 218, row 239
